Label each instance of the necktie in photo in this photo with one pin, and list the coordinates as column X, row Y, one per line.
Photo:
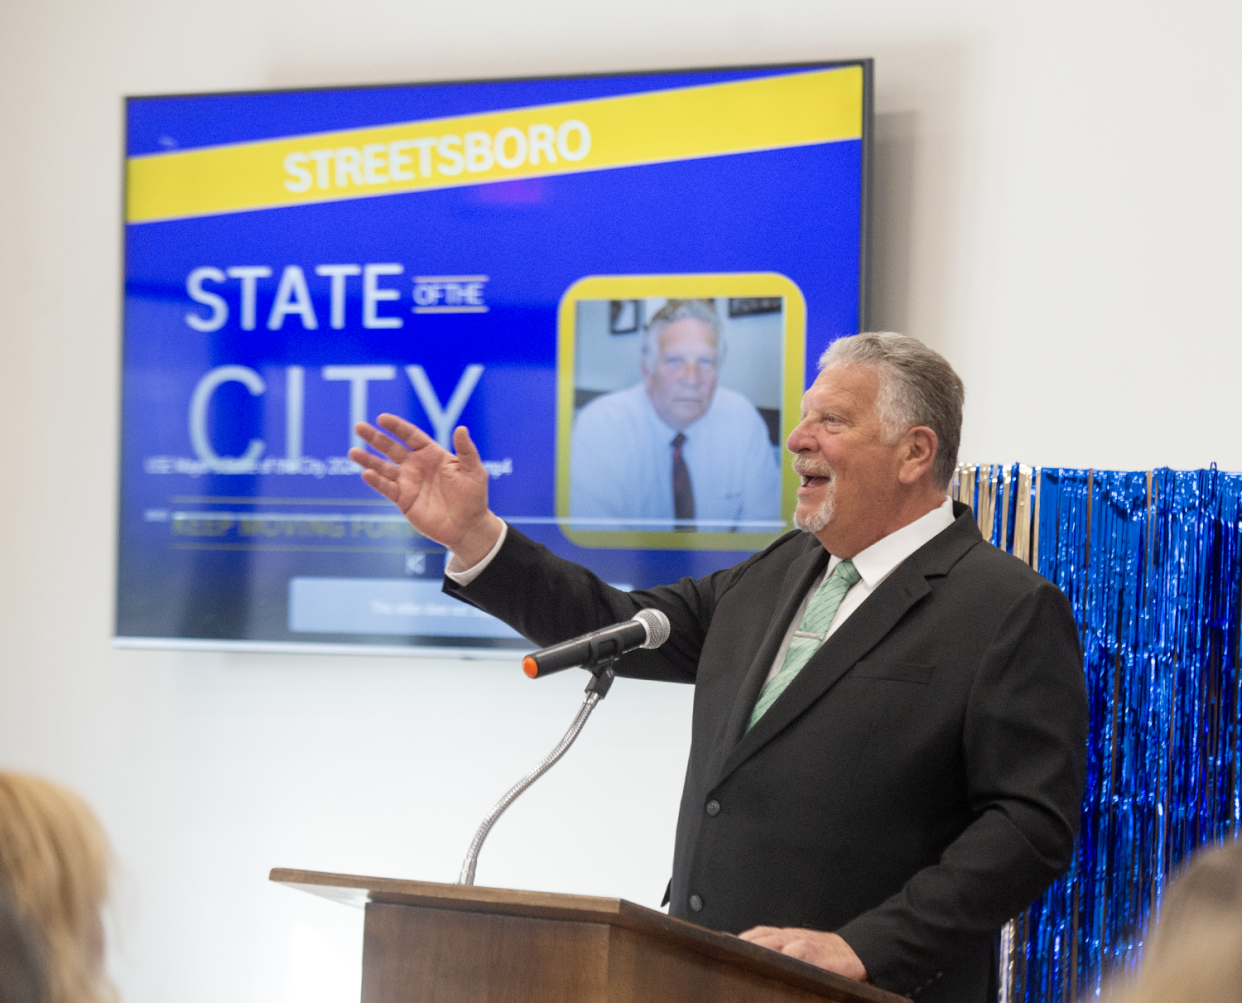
column 683, row 491
column 811, row 633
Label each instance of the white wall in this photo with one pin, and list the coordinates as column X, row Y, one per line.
column 1058, row 210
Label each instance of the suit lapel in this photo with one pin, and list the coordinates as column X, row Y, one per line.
column 802, row 572
column 866, row 627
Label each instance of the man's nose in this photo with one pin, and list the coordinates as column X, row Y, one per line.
column 799, row 440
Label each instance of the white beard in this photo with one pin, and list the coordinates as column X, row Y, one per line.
column 815, row 521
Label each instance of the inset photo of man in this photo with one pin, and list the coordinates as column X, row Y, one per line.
column 677, row 415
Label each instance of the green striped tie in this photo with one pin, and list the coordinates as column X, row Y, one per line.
column 811, row 633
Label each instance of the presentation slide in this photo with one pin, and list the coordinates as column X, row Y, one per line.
column 620, row 284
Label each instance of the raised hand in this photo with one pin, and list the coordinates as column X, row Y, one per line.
column 444, row 496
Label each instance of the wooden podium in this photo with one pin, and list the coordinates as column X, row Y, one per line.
column 426, row 942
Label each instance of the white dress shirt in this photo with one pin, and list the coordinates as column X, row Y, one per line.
column 463, row 575
column 874, row 564
column 621, row 466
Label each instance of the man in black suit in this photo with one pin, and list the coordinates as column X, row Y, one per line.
column 888, row 747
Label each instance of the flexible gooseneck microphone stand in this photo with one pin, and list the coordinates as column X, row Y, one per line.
column 601, row 681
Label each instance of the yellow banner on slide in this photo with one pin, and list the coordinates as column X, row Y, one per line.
column 686, row 123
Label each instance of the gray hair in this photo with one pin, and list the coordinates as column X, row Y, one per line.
column 917, row 387
column 703, row 311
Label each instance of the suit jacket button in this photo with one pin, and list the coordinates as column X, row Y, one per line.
column 696, row 903
column 713, row 808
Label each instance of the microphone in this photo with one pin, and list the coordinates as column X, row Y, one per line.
column 648, row 629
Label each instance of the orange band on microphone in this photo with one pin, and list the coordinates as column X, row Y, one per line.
column 530, row 667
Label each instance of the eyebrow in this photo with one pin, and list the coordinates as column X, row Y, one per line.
column 840, row 411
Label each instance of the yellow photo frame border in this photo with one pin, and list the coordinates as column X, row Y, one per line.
column 689, row 286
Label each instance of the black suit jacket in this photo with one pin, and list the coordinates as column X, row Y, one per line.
column 915, row 786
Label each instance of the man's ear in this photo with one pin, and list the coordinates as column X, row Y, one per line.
column 918, row 454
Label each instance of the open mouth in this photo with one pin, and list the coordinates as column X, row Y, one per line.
column 810, row 477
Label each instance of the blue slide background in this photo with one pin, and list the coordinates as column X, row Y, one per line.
column 796, row 212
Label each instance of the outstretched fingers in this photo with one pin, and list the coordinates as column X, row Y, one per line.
column 380, row 442
column 467, row 451
column 378, row 464
column 388, row 488
column 407, row 432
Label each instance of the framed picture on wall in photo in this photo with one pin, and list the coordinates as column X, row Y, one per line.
column 625, row 316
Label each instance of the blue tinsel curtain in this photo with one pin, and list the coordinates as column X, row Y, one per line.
column 1150, row 562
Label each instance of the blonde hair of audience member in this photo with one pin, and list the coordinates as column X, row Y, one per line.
column 55, row 864
column 1195, row 951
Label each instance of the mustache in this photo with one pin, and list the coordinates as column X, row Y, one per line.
column 805, row 467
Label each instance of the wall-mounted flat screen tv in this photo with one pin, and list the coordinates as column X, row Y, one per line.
column 620, row 283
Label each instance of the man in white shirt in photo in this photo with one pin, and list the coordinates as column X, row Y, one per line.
column 675, row 451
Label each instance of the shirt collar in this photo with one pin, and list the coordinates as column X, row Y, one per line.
column 879, row 560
